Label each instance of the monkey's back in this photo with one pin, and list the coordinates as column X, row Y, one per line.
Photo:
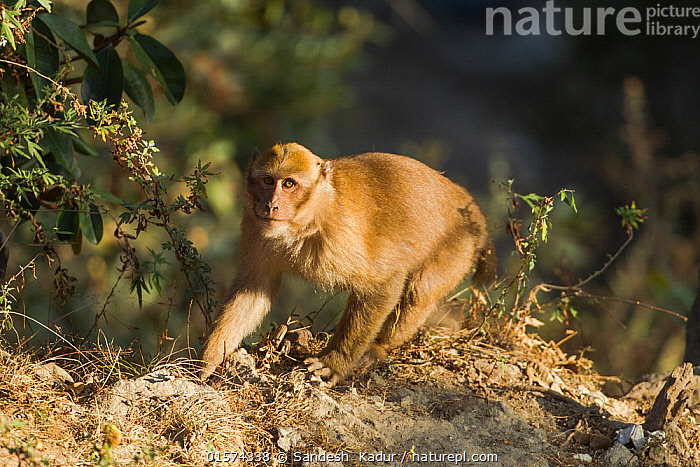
column 404, row 199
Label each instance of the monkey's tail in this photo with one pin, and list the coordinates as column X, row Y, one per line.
column 486, row 265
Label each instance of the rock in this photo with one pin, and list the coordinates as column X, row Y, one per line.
column 619, row 456
column 633, row 434
column 126, row 395
column 583, row 457
column 288, row 438
column 242, row 366
column 617, row 408
column 639, row 442
column 53, row 374
column 625, row 434
column 158, row 376
column 182, row 411
column 594, row 440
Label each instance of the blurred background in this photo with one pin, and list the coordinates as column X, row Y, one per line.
column 613, row 117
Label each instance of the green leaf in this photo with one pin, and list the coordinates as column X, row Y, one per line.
column 568, row 197
column 107, row 196
column 109, row 84
column 6, row 32
column 77, row 241
column 82, row 147
column 101, row 10
column 91, row 222
column 138, row 8
column 67, row 224
column 158, row 59
column 138, row 283
column 41, row 56
column 71, row 35
column 46, row 4
column 60, row 146
column 139, row 90
column 544, row 231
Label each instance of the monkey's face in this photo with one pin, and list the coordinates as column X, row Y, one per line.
column 281, row 181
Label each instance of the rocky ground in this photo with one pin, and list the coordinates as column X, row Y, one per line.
column 446, row 399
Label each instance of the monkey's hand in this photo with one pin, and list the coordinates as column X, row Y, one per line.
column 206, row 368
column 213, row 355
column 321, row 373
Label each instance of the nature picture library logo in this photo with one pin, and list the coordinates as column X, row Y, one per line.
column 663, row 19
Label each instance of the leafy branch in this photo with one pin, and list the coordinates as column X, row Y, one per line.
column 631, row 218
column 526, row 245
column 40, row 123
column 135, row 155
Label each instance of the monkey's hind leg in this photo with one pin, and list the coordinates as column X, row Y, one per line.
column 422, row 293
column 400, row 326
column 358, row 327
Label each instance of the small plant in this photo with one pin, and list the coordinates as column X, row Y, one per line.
column 101, row 456
column 631, row 217
column 516, row 295
column 526, row 244
column 537, row 231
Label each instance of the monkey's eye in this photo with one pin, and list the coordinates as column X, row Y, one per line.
column 288, row 183
column 268, row 180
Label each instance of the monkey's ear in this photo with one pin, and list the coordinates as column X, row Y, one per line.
column 326, row 170
column 254, row 155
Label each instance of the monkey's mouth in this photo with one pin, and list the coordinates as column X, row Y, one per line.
column 270, row 219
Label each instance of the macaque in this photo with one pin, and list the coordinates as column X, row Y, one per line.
column 394, row 233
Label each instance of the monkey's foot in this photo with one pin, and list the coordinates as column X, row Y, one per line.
column 320, row 373
column 374, row 353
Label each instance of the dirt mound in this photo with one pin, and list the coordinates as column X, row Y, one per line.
column 445, row 399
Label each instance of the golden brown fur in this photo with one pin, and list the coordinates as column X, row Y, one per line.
column 395, row 234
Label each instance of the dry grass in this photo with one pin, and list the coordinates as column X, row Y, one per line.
column 66, row 423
